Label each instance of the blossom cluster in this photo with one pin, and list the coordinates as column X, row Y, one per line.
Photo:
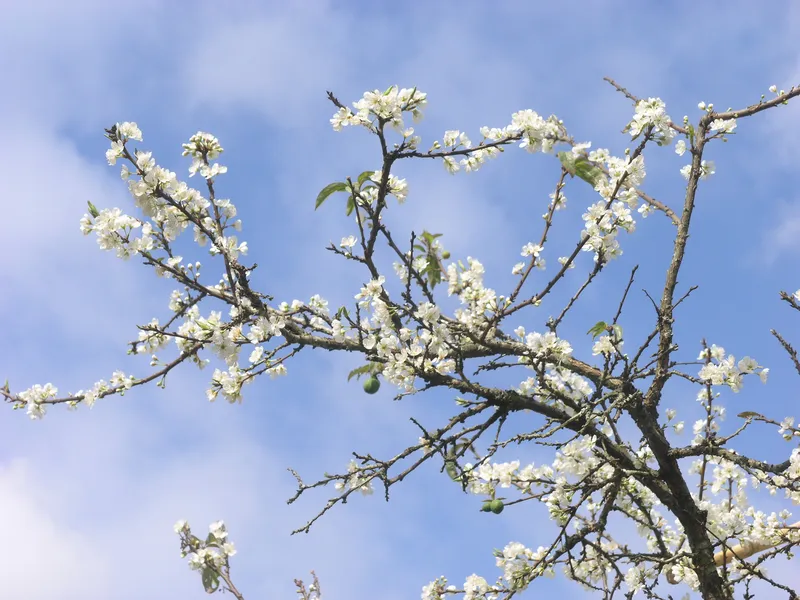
column 726, row 371
column 387, row 106
column 210, row 556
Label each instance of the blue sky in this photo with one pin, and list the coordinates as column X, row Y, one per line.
column 93, row 495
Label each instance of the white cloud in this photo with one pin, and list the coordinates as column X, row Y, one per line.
column 277, row 63
column 783, row 236
column 44, row 558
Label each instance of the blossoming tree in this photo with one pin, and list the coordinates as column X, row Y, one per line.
column 700, row 531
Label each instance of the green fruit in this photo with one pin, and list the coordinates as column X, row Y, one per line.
column 496, row 506
column 487, row 506
column 372, row 385
column 445, row 255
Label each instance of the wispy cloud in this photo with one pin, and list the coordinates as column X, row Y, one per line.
column 783, row 236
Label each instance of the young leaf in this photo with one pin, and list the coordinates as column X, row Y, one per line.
column 588, row 172
column 210, row 580
column 567, row 161
column 93, row 209
column 365, row 176
column 337, row 186
column 598, row 328
column 433, row 271
column 363, row 370
column 749, row 414
column 429, row 237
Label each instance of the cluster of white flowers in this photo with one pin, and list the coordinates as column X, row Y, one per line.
column 730, row 516
column 787, row 429
column 203, row 147
column 124, row 131
column 707, row 168
column 113, row 231
column 387, row 106
column 521, row 565
column 651, row 113
column 396, row 187
column 34, row 398
column 356, row 481
column 214, row 552
column 479, row 302
column 603, row 220
column 477, row 588
column 547, row 345
column 534, row 251
column 609, row 344
column 485, row 478
column 99, row 388
column 406, row 351
column 170, row 204
column 723, row 125
column 606, row 217
column 726, row 371
column 537, row 134
column 437, row 589
column 678, row 427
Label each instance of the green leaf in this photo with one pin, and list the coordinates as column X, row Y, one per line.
column 588, row 171
column 360, row 371
column 432, row 271
column 429, row 237
column 351, row 205
column 337, row 186
column 567, row 161
column 93, row 209
column 210, row 580
column 598, row 328
column 749, row 414
column 364, row 177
